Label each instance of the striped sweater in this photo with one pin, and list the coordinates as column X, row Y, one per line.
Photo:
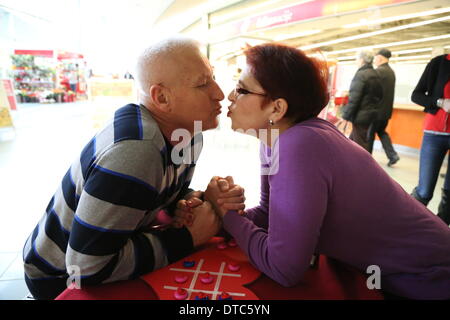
column 100, row 217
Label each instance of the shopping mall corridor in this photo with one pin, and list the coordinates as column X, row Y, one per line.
column 48, row 137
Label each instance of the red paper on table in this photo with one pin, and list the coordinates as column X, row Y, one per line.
column 212, row 260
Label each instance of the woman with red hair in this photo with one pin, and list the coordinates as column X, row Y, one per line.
column 322, row 193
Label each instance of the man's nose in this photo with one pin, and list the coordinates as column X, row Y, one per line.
column 218, row 93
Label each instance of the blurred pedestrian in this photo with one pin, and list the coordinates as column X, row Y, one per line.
column 128, row 75
column 433, row 93
column 73, row 81
column 387, row 76
column 365, row 95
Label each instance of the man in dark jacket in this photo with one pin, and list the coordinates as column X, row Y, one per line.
column 387, row 77
column 364, row 99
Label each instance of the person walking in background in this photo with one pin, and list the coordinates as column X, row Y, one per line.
column 387, row 77
column 128, row 75
column 73, row 80
column 433, row 93
column 364, row 98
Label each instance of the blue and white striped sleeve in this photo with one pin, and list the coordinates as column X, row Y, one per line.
column 122, row 185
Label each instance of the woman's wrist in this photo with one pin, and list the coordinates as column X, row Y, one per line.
column 440, row 102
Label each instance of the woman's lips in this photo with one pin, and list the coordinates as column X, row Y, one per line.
column 229, row 111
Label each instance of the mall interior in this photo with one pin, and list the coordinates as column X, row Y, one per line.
column 66, row 66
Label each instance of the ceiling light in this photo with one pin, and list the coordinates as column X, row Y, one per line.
column 365, row 22
column 412, row 62
column 346, row 62
column 345, row 58
column 374, row 33
column 410, row 57
column 411, row 51
column 392, row 44
column 296, row 35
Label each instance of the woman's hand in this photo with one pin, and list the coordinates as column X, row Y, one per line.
column 224, row 195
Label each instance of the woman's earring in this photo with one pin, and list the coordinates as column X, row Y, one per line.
column 271, row 122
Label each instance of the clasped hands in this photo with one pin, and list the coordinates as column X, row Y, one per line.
column 203, row 218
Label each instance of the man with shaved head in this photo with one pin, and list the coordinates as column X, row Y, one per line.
column 176, row 84
column 99, row 226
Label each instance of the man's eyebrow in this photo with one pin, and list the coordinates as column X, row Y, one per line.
column 203, row 77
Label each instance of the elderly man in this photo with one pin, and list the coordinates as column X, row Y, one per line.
column 387, row 77
column 364, row 99
column 99, row 225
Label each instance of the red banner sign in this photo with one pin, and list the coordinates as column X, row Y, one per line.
column 7, row 84
column 37, row 53
column 302, row 11
column 69, row 55
column 50, row 54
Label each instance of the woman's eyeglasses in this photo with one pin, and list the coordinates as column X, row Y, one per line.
column 238, row 91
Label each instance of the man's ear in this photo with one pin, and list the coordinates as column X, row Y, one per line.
column 279, row 109
column 159, row 97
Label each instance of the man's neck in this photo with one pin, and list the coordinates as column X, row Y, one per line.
column 166, row 132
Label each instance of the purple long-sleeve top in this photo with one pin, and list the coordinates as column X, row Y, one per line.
column 330, row 197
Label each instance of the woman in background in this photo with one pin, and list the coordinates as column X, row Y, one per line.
column 433, row 93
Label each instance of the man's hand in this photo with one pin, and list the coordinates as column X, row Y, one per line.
column 184, row 215
column 206, row 225
column 224, row 195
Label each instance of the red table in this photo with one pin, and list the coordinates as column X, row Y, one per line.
column 330, row 280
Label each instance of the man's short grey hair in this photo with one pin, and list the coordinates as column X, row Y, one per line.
column 366, row 56
column 149, row 65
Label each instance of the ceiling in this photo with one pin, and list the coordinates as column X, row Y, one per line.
column 412, row 30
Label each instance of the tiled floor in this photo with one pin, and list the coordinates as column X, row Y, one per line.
column 48, row 137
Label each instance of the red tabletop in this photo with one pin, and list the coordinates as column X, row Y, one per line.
column 330, row 280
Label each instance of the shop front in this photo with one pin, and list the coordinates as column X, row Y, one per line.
column 47, row 76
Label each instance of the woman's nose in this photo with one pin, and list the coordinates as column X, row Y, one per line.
column 231, row 96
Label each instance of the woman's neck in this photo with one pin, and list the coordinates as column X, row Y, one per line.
column 273, row 132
